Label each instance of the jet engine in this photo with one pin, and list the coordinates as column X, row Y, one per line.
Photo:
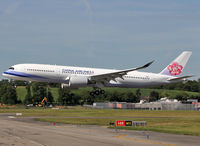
column 76, row 82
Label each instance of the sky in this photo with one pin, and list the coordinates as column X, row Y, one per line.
column 114, row 34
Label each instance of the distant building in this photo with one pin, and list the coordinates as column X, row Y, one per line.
column 162, row 104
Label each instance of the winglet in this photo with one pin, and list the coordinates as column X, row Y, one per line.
column 138, row 68
column 148, row 64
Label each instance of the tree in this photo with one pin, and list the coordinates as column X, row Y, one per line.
column 39, row 91
column 11, row 95
column 114, row 96
column 8, row 93
column 153, row 96
column 164, row 94
column 181, row 96
column 88, row 99
column 132, row 97
column 54, row 85
column 20, row 83
column 67, row 98
column 49, row 96
column 138, row 93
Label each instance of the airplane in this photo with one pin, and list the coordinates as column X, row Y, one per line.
column 76, row 77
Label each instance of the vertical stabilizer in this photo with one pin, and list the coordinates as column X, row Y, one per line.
column 176, row 67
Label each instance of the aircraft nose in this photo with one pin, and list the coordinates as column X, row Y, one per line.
column 5, row 73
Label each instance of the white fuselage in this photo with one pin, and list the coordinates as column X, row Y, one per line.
column 61, row 74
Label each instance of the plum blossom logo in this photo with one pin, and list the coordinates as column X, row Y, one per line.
column 175, row 68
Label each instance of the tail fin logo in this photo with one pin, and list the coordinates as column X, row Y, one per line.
column 175, row 68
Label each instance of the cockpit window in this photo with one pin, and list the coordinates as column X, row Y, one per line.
column 11, row 68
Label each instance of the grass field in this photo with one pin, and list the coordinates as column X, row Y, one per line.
column 177, row 122
column 21, row 91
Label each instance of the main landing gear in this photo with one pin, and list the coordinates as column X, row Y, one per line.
column 97, row 92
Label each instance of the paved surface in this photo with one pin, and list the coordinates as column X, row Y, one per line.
column 22, row 131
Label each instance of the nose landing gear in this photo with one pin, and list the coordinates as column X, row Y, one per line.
column 97, row 92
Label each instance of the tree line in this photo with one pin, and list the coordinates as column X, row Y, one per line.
column 36, row 91
column 190, row 85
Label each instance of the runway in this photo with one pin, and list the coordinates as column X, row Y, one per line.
column 22, row 131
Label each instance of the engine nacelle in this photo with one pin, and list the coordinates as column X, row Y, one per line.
column 76, row 82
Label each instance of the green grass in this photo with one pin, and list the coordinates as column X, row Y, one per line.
column 163, row 121
column 54, row 92
column 165, row 125
column 144, row 91
column 176, row 125
column 21, row 91
column 178, row 122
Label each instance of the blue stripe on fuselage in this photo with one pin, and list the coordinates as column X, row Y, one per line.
column 20, row 74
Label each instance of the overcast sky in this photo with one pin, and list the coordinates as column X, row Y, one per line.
column 116, row 34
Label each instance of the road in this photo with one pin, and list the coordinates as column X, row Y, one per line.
column 22, row 131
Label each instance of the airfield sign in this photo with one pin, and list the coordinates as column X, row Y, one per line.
column 120, row 123
column 130, row 123
column 123, row 123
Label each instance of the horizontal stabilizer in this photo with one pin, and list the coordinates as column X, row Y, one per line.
column 180, row 78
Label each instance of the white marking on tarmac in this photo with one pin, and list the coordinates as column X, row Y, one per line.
column 11, row 117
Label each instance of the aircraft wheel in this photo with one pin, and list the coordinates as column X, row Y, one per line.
column 92, row 93
column 97, row 92
column 102, row 91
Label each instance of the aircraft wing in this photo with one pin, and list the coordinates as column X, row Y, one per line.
column 111, row 76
